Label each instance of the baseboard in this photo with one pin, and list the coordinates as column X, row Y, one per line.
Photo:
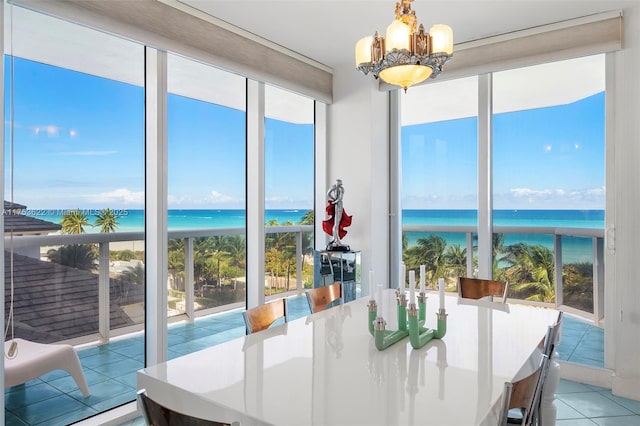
column 114, row 417
column 585, row 374
column 627, row 388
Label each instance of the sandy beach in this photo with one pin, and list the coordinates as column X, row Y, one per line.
column 126, row 245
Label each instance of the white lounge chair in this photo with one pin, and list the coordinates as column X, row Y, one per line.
column 35, row 359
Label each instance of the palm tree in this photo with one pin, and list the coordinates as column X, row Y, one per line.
column 500, row 256
column 235, row 246
column 106, row 220
column 429, row 252
column 308, row 218
column 135, row 274
column 278, row 247
column 533, row 272
column 456, row 259
column 73, row 222
column 79, row 256
column 307, row 237
column 175, row 260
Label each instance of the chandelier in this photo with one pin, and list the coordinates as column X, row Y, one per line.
column 407, row 55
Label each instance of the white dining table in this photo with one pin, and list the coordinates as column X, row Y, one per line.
column 325, row 369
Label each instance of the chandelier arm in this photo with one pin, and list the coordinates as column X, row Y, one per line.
column 430, row 50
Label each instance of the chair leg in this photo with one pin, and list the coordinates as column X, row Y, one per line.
column 74, row 368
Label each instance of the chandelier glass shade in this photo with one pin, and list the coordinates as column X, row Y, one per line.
column 406, row 55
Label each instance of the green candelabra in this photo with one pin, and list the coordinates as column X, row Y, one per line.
column 418, row 334
column 377, row 325
column 410, row 323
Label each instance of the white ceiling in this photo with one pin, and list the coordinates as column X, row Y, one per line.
column 327, row 30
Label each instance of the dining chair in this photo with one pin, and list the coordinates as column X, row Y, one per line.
column 321, row 297
column 552, row 374
column 551, row 340
column 156, row 414
column 261, row 317
column 520, row 398
column 476, row 288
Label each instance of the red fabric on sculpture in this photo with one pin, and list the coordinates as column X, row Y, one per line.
column 327, row 224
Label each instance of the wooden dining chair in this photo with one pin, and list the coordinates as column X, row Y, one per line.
column 476, row 288
column 521, row 398
column 156, row 414
column 261, row 317
column 321, row 297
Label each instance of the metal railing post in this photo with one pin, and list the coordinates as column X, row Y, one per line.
column 299, row 260
column 557, row 261
column 189, row 286
column 469, row 254
column 598, row 279
column 104, row 313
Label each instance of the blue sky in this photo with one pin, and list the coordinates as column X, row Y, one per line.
column 79, row 143
column 545, row 158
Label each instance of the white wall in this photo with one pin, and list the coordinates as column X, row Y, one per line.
column 625, row 288
column 358, row 154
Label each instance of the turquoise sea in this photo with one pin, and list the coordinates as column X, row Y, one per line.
column 574, row 249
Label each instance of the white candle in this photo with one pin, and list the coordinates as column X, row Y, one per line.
column 371, row 285
column 380, row 300
column 422, row 278
column 403, row 274
column 412, row 286
column 441, row 288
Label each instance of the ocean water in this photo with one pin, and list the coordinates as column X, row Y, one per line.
column 574, row 249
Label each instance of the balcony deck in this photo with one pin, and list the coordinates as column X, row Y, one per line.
column 110, row 369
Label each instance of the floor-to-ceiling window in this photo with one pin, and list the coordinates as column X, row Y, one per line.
column 289, row 190
column 439, row 178
column 546, row 185
column 206, row 186
column 548, row 172
column 77, row 150
column 74, row 210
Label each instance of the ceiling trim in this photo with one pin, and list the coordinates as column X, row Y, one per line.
column 163, row 27
column 177, row 4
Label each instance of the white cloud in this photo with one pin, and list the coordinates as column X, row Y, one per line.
column 120, row 196
column 214, row 199
column 533, row 193
column 49, row 130
column 88, row 153
column 218, row 197
column 590, row 198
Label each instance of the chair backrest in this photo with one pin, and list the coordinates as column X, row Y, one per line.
column 523, row 395
column 321, row 297
column 548, row 344
column 475, row 288
column 156, row 414
column 261, row 317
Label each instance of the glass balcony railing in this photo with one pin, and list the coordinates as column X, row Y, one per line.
column 551, row 266
column 58, row 300
column 63, row 292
